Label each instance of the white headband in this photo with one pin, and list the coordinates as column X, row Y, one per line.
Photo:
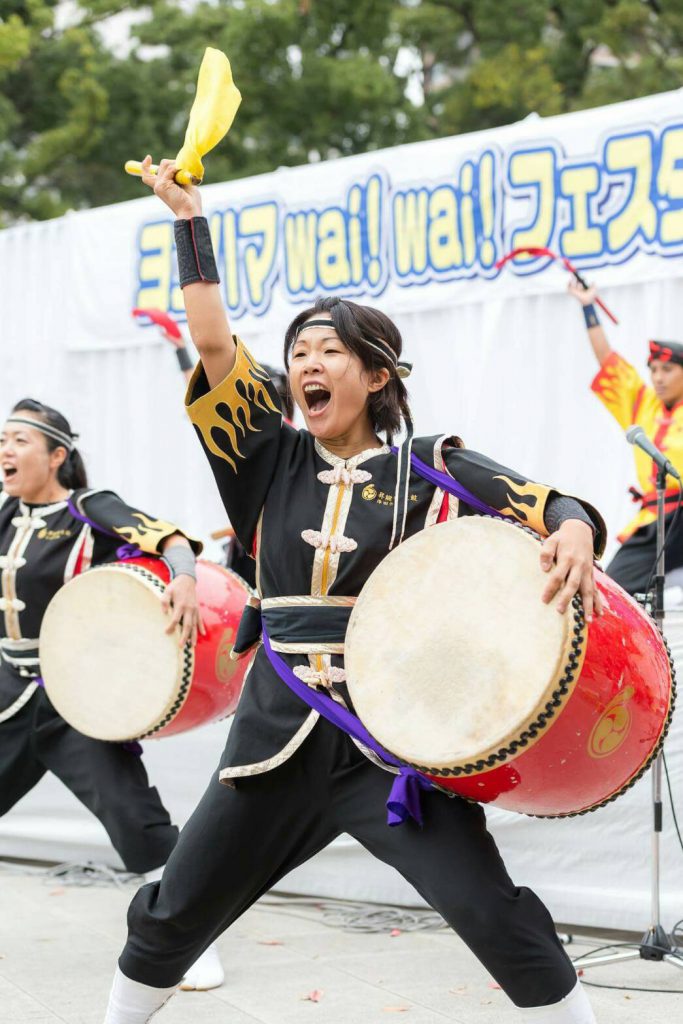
column 402, row 369
column 66, row 440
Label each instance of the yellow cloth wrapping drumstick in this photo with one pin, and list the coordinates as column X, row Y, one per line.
column 213, row 111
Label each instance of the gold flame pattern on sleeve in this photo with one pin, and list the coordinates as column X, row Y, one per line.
column 526, row 502
column 242, row 391
column 147, row 533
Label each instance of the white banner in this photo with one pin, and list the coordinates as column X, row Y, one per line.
column 417, row 227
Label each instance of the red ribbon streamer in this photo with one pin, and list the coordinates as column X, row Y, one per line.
column 549, row 254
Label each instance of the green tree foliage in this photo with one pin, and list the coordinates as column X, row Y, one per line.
column 320, row 78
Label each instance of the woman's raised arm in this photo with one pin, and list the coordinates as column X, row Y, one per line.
column 206, row 317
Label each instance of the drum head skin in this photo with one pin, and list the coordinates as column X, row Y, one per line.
column 109, row 667
column 450, row 652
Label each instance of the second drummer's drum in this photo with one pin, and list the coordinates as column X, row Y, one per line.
column 112, row 671
column 457, row 668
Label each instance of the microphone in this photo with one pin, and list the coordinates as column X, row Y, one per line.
column 637, row 436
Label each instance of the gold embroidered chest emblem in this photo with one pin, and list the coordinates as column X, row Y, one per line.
column 369, row 492
column 46, row 534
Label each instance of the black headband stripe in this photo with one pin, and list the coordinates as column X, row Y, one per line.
column 379, row 344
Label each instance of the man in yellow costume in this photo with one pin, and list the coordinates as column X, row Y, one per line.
column 658, row 409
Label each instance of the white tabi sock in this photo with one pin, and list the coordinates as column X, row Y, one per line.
column 131, row 1002
column 573, row 1009
column 206, row 972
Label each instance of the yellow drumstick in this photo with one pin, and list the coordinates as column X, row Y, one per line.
column 213, row 111
column 182, row 177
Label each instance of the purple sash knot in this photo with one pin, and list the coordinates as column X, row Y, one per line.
column 404, row 798
column 127, row 551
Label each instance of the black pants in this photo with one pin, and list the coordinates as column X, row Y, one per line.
column 240, row 842
column 110, row 781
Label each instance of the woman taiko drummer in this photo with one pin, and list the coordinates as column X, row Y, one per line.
column 289, row 781
column 52, row 527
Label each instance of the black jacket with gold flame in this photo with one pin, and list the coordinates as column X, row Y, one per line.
column 319, row 526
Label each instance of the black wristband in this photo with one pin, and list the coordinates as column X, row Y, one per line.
column 184, row 361
column 196, row 261
column 560, row 507
column 590, row 316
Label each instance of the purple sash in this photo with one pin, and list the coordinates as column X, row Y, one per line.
column 404, row 798
column 447, row 483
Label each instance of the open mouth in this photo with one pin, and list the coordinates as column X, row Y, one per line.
column 317, row 398
column 9, row 471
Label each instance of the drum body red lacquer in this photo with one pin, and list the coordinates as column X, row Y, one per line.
column 111, row 670
column 491, row 693
column 607, row 731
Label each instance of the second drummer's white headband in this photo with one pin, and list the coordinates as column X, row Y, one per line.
column 45, row 428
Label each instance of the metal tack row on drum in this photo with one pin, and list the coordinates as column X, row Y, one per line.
column 112, row 671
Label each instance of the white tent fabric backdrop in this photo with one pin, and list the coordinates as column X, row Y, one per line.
column 499, row 358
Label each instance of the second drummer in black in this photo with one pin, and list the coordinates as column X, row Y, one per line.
column 320, row 508
column 42, row 546
column 53, row 527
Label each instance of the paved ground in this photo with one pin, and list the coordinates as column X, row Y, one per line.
column 58, row 945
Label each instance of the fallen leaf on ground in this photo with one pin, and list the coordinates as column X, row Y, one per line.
column 270, row 942
column 580, row 972
column 494, row 984
column 314, row 997
column 458, row 991
column 395, row 932
column 57, row 892
column 486, row 1002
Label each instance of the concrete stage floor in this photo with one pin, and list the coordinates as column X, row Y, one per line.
column 59, row 943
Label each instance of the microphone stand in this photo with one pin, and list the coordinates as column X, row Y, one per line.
column 655, row 944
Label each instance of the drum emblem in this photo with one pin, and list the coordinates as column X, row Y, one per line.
column 224, row 665
column 613, row 726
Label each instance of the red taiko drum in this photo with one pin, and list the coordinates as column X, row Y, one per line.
column 456, row 667
column 112, row 671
